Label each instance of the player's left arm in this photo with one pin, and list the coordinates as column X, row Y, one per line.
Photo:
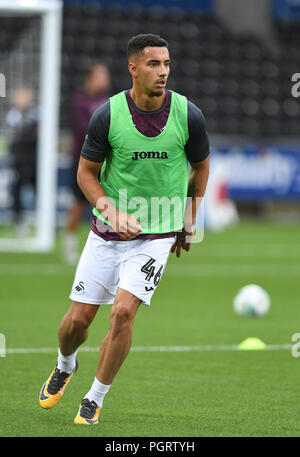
column 196, row 190
column 197, row 151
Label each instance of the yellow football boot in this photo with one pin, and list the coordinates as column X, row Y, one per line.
column 54, row 387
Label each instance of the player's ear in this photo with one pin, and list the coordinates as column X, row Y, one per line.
column 132, row 68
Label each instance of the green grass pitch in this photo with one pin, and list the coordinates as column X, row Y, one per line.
column 218, row 393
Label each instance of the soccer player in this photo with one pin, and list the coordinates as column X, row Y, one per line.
column 141, row 140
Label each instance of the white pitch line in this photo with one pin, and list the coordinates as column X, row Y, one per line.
column 269, row 347
column 171, row 270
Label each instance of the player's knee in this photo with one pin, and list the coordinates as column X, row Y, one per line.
column 78, row 322
column 121, row 318
column 78, row 318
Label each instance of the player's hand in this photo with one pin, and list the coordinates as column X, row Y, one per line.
column 183, row 241
column 125, row 225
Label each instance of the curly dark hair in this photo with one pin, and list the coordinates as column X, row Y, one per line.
column 137, row 43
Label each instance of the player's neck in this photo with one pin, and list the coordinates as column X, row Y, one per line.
column 145, row 102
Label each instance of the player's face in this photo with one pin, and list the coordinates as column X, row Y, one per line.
column 151, row 70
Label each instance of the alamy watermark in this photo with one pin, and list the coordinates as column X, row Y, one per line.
column 156, row 215
column 2, row 345
column 2, row 85
column 296, row 87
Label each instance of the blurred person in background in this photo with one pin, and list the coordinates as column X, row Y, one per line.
column 86, row 101
column 22, row 120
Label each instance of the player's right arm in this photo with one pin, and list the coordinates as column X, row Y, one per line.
column 93, row 153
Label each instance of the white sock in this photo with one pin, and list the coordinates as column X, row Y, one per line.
column 66, row 363
column 97, row 392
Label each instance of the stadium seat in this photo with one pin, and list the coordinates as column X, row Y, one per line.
column 238, row 83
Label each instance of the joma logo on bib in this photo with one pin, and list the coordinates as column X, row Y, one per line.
column 149, row 155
